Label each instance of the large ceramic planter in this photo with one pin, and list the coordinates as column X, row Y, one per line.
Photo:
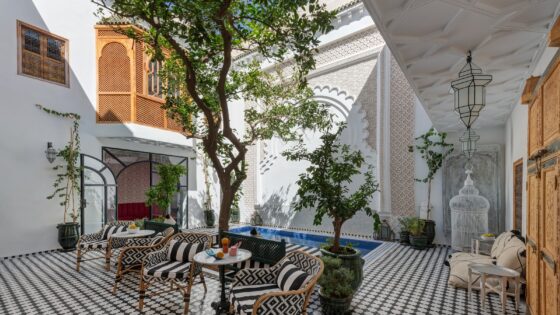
column 334, row 306
column 210, row 218
column 430, row 230
column 354, row 262
column 68, row 235
column 404, row 237
column 418, row 241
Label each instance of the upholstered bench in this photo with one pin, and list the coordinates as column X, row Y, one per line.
column 507, row 251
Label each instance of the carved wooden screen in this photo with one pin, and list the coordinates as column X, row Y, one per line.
column 532, row 243
column 517, row 194
column 114, row 83
column 41, row 54
column 535, row 124
column 551, row 107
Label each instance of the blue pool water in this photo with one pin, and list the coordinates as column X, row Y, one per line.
column 306, row 239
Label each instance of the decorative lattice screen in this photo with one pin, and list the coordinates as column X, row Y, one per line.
column 149, row 112
column 114, row 108
column 114, row 69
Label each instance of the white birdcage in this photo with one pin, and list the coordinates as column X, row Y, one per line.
column 469, row 215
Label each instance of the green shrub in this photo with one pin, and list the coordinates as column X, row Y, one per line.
column 336, row 281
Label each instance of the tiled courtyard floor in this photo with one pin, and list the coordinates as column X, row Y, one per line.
column 398, row 280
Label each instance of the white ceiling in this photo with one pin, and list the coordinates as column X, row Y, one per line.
column 430, row 39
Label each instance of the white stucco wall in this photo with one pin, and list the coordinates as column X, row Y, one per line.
column 28, row 218
column 516, row 148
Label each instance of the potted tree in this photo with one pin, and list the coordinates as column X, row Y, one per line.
column 418, row 239
column 336, row 291
column 325, row 187
column 162, row 193
column 433, row 149
column 67, row 186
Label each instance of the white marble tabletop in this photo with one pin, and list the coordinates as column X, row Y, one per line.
column 203, row 258
column 129, row 234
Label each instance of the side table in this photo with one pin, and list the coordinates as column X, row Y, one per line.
column 503, row 274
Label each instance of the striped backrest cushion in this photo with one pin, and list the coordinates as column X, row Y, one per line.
column 109, row 230
column 291, row 277
column 183, row 251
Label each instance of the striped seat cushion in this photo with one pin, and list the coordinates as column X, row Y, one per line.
column 243, row 297
column 251, row 264
column 109, row 230
column 183, row 251
column 94, row 245
column 290, row 277
column 169, row 270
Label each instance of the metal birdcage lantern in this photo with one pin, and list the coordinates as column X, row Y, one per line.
column 470, row 92
column 468, row 143
column 385, row 232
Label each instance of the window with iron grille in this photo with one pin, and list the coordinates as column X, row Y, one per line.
column 41, row 54
column 155, row 82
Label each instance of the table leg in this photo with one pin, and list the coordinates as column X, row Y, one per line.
column 222, row 306
column 470, row 284
column 503, row 293
column 483, row 290
column 517, row 289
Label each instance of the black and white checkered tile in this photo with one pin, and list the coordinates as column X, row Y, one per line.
column 398, row 280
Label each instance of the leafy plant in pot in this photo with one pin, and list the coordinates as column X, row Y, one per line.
column 417, row 237
column 162, row 193
column 434, row 150
column 67, row 186
column 336, row 291
column 325, row 187
column 404, row 234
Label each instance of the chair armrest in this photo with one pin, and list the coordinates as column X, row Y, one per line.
column 252, row 276
column 269, row 302
column 135, row 254
column 155, row 258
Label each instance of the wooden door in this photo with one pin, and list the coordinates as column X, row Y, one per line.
column 535, row 125
column 532, row 244
column 548, row 239
column 517, row 194
column 551, row 108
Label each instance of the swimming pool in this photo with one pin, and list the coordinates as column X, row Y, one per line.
column 307, row 239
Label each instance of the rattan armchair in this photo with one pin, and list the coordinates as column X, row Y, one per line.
column 261, row 295
column 180, row 276
column 136, row 249
column 97, row 242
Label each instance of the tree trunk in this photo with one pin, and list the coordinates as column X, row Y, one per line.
column 225, row 206
column 337, row 223
column 429, row 197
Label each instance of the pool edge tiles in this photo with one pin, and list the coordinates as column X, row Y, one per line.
column 308, row 238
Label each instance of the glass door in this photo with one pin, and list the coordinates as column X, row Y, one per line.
column 98, row 194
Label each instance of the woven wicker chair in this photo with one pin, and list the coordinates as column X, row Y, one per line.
column 180, row 278
column 262, row 296
column 96, row 243
column 136, row 249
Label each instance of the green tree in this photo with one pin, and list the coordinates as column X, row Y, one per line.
column 324, row 185
column 433, row 149
column 198, row 40
column 163, row 191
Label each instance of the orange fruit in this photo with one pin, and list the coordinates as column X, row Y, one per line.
column 219, row 255
column 225, row 241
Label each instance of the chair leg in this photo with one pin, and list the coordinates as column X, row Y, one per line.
column 108, row 260
column 142, row 293
column 78, row 260
column 203, row 281
column 186, row 299
column 118, row 278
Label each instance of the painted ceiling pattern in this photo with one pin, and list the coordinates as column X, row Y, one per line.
column 430, row 39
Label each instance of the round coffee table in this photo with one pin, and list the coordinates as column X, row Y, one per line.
column 503, row 274
column 203, row 259
column 121, row 236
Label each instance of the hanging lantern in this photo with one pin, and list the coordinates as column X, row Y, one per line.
column 385, row 232
column 469, row 92
column 468, row 143
column 50, row 152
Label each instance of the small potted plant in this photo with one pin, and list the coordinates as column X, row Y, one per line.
column 336, row 291
column 404, row 234
column 417, row 238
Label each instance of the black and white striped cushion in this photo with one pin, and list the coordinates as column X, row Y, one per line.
column 109, row 230
column 183, row 251
column 169, row 270
column 291, row 277
column 244, row 297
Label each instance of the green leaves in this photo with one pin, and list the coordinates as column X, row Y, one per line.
column 163, row 191
column 336, row 280
column 433, row 150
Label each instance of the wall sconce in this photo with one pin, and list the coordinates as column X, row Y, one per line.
column 50, row 152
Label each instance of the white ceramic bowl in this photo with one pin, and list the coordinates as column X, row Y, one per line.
column 488, row 238
column 133, row 231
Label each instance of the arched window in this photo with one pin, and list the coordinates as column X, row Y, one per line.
column 154, row 81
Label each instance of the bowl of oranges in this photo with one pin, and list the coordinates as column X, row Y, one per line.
column 133, row 228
